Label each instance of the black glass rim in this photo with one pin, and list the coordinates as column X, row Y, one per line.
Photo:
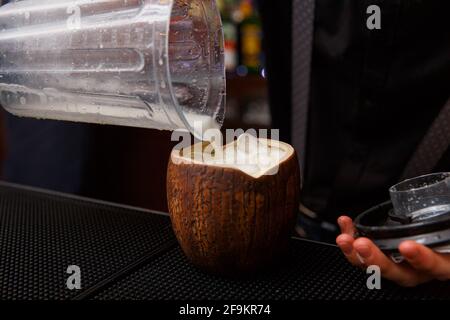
column 380, row 213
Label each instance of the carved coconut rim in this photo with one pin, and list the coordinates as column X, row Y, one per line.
column 191, row 156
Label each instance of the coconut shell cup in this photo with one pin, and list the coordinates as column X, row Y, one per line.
column 228, row 222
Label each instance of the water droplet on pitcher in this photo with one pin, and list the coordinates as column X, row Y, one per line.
column 23, row 100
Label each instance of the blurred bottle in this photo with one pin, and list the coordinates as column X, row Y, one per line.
column 250, row 37
column 230, row 31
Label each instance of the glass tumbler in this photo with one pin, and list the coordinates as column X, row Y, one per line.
column 422, row 197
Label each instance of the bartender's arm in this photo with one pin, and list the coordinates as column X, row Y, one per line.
column 422, row 264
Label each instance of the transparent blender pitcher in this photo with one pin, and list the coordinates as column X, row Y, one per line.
column 144, row 63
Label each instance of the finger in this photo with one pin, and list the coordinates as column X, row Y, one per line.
column 345, row 243
column 346, row 225
column 400, row 274
column 426, row 260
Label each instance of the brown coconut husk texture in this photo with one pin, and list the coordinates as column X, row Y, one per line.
column 227, row 221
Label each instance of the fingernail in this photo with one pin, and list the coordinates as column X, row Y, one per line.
column 364, row 251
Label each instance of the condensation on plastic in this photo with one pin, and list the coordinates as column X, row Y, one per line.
column 144, row 63
column 422, row 197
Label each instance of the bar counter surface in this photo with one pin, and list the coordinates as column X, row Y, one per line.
column 131, row 253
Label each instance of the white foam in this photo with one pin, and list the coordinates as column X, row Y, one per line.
column 248, row 154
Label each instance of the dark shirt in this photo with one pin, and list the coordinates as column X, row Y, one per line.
column 373, row 95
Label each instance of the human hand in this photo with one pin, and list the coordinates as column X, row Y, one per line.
column 421, row 263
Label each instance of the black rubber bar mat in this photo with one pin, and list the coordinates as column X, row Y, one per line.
column 41, row 234
column 311, row 271
column 127, row 253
